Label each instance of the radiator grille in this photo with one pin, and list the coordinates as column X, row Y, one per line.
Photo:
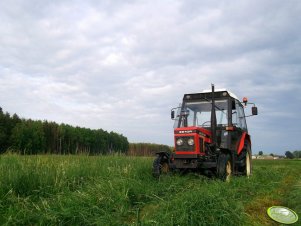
column 201, row 145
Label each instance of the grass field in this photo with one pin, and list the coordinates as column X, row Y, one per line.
column 118, row 190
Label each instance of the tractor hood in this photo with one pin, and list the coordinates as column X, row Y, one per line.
column 193, row 129
column 191, row 140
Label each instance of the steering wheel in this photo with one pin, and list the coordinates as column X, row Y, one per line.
column 205, row 123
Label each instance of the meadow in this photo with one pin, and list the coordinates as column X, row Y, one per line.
column 120, row 190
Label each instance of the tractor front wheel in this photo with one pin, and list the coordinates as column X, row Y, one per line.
column 248, row 166
column 160, row 166
column 245, row 158
column 224, row 167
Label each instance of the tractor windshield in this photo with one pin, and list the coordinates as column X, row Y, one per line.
column 198, row 113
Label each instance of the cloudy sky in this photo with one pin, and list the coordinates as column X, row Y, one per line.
column 122, row 65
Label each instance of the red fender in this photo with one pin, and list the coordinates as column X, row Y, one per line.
column 244, row 137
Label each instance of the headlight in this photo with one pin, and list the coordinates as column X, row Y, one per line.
column 190, row 141
column 179, row 142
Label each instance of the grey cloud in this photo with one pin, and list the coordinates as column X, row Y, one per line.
column 121, row 65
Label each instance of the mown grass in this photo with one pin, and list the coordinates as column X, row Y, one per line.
column 119, row 190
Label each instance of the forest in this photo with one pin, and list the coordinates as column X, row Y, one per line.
column 26, row 136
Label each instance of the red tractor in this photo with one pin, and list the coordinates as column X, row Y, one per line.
column 210, row 135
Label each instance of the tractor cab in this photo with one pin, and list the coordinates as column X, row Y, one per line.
column 210, row 134
column 194, row 118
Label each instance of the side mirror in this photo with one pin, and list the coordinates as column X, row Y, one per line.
column 172, row 114
column 254, row 111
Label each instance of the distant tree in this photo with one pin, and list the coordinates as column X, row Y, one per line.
column 7, row 123
column 260, row 153
column 28, row 137
column 272, row 154
column 289, row 155
column 297, row 154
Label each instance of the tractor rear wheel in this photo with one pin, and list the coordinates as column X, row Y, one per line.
column 160, row 166
column 224, row 167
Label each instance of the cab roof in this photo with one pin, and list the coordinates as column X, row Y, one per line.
column 206, row 94
column 221, row 90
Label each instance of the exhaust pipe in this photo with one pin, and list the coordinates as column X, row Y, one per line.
column 213, row 120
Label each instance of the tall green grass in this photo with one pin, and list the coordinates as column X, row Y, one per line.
column 119, row 190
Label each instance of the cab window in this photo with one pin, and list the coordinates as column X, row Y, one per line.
column 238, row 116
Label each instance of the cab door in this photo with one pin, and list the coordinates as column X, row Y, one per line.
column 239, row 123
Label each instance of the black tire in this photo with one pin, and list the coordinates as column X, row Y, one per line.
column 224, row 167
column 248, row 162
column 160, row 166
column 246, row 156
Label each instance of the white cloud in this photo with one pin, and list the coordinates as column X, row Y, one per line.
column 122, row 65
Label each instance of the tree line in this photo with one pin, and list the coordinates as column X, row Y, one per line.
column 288, row 154
column 146, row 149
column 26, row 136
column 292, row 155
